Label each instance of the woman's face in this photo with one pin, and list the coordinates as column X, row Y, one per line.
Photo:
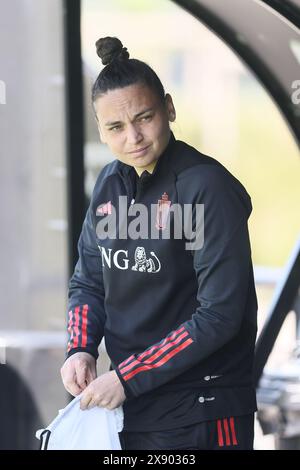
column 134, row 123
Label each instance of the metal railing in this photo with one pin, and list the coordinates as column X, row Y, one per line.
column 285, row 299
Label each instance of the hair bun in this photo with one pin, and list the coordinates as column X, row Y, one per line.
column 111, row 48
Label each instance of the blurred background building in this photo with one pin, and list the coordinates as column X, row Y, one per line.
column 222, row 109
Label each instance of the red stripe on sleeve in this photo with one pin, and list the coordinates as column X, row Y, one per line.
column 136, row 359
column 76, row 327
column 233, row 434
column 155, row 356
column 165, row 348
column 160, row 345
column 126, row 361
column 226, row 429
column 165, row 359
column 220, row 433
column 70, row 330
column 84, row 325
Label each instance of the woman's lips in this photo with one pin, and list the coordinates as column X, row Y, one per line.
column 140, row 152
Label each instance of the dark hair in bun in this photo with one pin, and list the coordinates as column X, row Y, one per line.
column 121, row 71
column 109, row 49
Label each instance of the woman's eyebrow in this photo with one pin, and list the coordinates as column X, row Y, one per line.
column 113, row 123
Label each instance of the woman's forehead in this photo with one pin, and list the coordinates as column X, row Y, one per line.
column 132, row 98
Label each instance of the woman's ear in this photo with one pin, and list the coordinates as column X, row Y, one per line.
column 170, row 108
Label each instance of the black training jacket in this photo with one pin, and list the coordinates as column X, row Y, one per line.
column 178, row 324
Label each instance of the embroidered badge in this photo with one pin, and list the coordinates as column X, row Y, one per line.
column 104, row 209
column 163, row 209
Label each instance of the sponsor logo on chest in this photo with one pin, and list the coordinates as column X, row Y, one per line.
column 121, row 260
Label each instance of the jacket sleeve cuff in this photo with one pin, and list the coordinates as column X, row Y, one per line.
column 90, row 351
column 129, row 394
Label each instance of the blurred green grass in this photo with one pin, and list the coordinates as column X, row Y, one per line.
column 269, row 165
column 266, row 161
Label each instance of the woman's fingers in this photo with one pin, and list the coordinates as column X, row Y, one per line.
column 73, row 389
column 91, row 374
column 77, row 372
column 85, row 401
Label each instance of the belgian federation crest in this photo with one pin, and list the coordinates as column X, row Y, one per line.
column 163, row 209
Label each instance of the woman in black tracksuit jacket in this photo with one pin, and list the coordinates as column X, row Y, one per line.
column 177, row 310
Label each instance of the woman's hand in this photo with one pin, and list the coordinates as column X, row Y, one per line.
column 78, row 372
column 106, row 391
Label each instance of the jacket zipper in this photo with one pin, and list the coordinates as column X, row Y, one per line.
column 138, row 193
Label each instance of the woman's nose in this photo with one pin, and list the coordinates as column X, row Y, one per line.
column 134, row 135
